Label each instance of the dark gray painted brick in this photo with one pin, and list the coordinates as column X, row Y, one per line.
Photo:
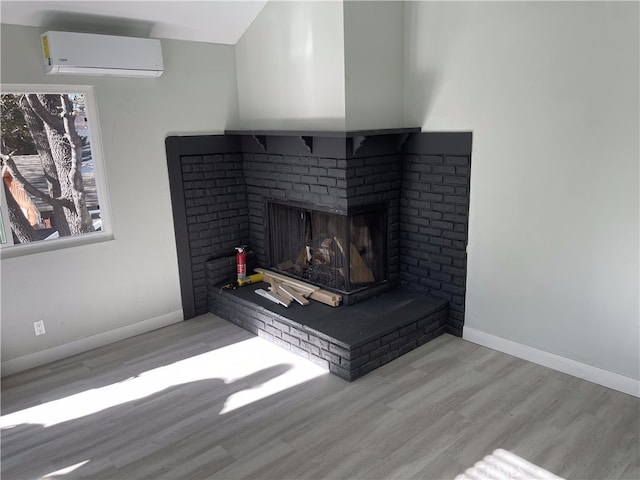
column 339, row 371
column 339, row 351
column 408, row 329
column 299, row 334
column 331, row 357
column 299, row 351
column 390, row 337
column 281, row 343
column 311, row 348
column 321, row 362
column 370, row 346
column 283, row 327
column 265, row 335
column 407, row 347
column 291, row 339
column 320, row 342
column 377, row 352
column 369, row 366
column 456, row 199
column 387, row 357
column 452, row 160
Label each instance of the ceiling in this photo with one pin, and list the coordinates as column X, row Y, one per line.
column 211, row 21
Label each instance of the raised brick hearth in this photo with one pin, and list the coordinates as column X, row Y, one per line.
column 349, row 341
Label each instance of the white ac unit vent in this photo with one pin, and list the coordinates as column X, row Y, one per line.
column 67, row 53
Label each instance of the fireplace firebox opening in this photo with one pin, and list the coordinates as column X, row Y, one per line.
column 342, row 252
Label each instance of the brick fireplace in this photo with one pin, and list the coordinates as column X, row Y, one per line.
column 401, row 196
column 341, row 176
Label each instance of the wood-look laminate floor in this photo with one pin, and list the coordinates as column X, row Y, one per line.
column 205, row 399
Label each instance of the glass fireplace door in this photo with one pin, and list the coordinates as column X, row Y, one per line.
column 342, row 252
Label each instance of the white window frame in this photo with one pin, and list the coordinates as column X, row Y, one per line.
column 8, row 249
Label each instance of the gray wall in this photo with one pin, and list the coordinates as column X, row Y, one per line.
column 290, row 67
column 101, row 292
column 373, row 60
column 322, row 66
column 550, row 91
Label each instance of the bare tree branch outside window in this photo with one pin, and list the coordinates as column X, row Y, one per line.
column 47, row 166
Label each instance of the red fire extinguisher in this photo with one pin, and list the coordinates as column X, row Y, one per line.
column 241, row 263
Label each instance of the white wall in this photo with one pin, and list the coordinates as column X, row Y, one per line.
column 373, row 52
column 290, row 67
column 550, row 91
column 102, row 292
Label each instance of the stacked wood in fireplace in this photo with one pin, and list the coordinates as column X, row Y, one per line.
column 324, row 257
column 284, row 290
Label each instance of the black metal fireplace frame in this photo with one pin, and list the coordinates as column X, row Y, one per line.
column 349, row 296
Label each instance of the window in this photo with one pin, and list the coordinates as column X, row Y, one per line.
column 53, row 184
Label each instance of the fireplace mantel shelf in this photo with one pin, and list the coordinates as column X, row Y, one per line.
column 353, row 138
column 324, row 133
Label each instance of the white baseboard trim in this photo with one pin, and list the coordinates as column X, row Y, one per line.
column 81, row 345
column 556, row 362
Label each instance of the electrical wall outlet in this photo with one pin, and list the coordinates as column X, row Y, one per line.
column 39, row 327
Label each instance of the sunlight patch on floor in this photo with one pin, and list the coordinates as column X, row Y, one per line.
column 64, row 471
column 257, row 367
column 504, row 465
column 261, row 355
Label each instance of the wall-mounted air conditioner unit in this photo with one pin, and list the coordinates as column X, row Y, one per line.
column 67, row 53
